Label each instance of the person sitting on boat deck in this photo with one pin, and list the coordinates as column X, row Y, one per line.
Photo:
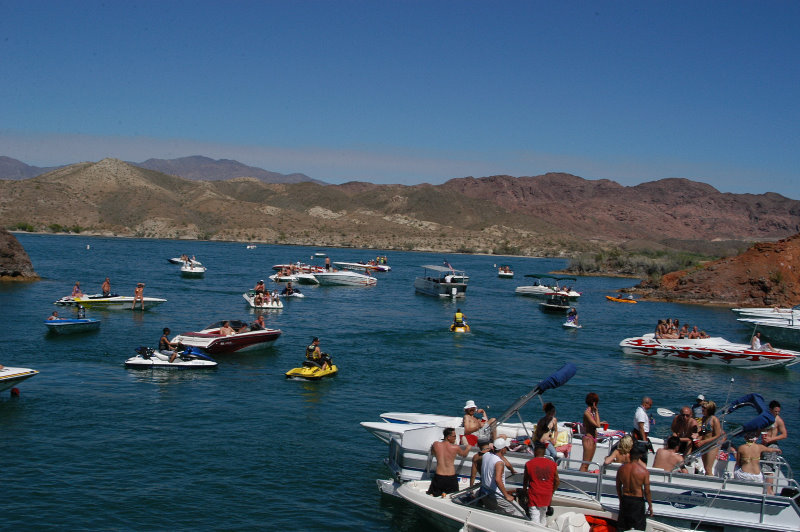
column 660, row 329
column 445, row 479
column 685, row 428
column 694, row 333
column 547, row 430
column 668, row 456
column 541, row 482
column 259, row 324
column 53, row 316
column 226, row 329
column 259, row 287
column 641, row 420
column 774, row 433
column 621, row 453
column 314, row 354
column 757, row 345
column 572, row 315
column 591, row 422
column 684, row 332
column 710, row 429
column 483, row 428
column 697, row 408
column 76, row 290
column 258, row 299
column 106, row 287
column 477, row 461
column 748, row 465
column 458, row 319
column 497, row 498
column 633, row 488
column 138, row 295
column 289, row 289
column 166, row 347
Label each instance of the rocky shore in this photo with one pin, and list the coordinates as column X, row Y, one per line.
column 15, row 264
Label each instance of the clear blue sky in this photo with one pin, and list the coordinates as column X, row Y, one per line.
column 412, row 91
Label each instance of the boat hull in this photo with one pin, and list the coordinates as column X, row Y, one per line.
column 620, row 299
column 710, row 351
column 344, row 278
column 70, row 326
column 10, row 377
column 211, row 342
column 437, row 288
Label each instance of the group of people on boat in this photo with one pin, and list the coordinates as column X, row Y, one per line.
column 672, row 329
column 262, row 295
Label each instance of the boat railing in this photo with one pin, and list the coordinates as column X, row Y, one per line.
column 595, row 470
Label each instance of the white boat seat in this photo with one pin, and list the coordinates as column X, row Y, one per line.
column 572, row 522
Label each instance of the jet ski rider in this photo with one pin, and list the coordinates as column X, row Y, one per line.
column 167, row 347
column 458, row 319
column 315, row 355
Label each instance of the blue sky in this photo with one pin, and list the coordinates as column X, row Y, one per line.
column 412, row 91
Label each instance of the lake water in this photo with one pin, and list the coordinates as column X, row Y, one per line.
column 92, row 445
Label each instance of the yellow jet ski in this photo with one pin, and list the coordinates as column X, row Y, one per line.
column 463, row 327
column 311, row 371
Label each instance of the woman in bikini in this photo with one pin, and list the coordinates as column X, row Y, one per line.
column 622, row 454
column 748, row 456
column 591, row 422
column 547, row 430
column 710, row 428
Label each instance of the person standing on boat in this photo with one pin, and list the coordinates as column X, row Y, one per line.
column 541, row 482
column 138, row 295
column 641, row 421
column 572, row 315
column 547, row 430
column 259, row 288
column 483, row 428
column 166, row 347
column 697, row 408
column 633, row 487
column 774, row 433
column 477, row 461
column 445, row 451
column 591, row 422
column 106, row 287
column 748, row 456
column 497, row 499
column 685, row 428
column 710, row 429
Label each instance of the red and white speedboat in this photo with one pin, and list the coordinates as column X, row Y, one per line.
column 210, row 340
column 714, row 351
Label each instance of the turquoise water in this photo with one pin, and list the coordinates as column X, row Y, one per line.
column 92, row 445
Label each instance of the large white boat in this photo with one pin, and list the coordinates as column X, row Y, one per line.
column 769, row 312
column 542, row 288
column 111, row 302
column 245, row 339
column 441, row 281
column 274, row 303
column 344, row 277
column 784, row 331
column 10, row 377
column 714, row 351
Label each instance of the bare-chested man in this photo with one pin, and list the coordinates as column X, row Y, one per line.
column 668, row 457
column 685, row 427
column 481, row 427
column 138, row 295
column 633, row 487
column 774, row 433
column 445, row 451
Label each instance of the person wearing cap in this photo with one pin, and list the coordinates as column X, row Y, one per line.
column 633, row 487
column 497, row 498
column 541, row 482
column 138, row 295
column 315, row 355
column 697, row 407
column 483, row 427
column 445, row 479
column 477, row 461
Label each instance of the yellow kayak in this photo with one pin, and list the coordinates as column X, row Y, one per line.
column 621, row 299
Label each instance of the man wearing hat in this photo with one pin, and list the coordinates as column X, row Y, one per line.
column 697, row 407
column 541, row 482
column 497, row 498
column 483, row 428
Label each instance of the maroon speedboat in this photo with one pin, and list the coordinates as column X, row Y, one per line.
column 245, row 339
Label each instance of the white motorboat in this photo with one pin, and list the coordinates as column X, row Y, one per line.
column 464, row 508
column 441, row 281
column 72, row 326
column 283, row 278
column 778, row 330
column 247, row 338
column 181, row 260
column 272, row 304
column 713, row 351
column 769, row 312
column 556, row 303
column 111, row 302
column 306, row 278
column 542, row 288
column 344, row 277
column 190, row 269
column 355, row 266
column 504, row 271
column 149, row 358
column 10, row 377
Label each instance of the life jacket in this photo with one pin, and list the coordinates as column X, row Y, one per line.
column 459, row 318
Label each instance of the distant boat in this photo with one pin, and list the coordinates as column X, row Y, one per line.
column 10, row 377
column 441, row 281
column 72, row 326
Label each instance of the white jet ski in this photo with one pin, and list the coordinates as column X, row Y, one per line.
column 190, row 358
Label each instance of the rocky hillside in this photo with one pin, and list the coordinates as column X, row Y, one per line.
column 767, row 274
column 15, row 264
column 199, row 167
column 551, row 214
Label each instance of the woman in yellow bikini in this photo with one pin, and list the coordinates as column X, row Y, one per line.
column 747, row 459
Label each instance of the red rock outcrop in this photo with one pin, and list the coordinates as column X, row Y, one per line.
column 767, row 274
column 15, row 264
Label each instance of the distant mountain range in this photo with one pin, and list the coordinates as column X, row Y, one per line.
column 195, row 167
column 551, row 214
